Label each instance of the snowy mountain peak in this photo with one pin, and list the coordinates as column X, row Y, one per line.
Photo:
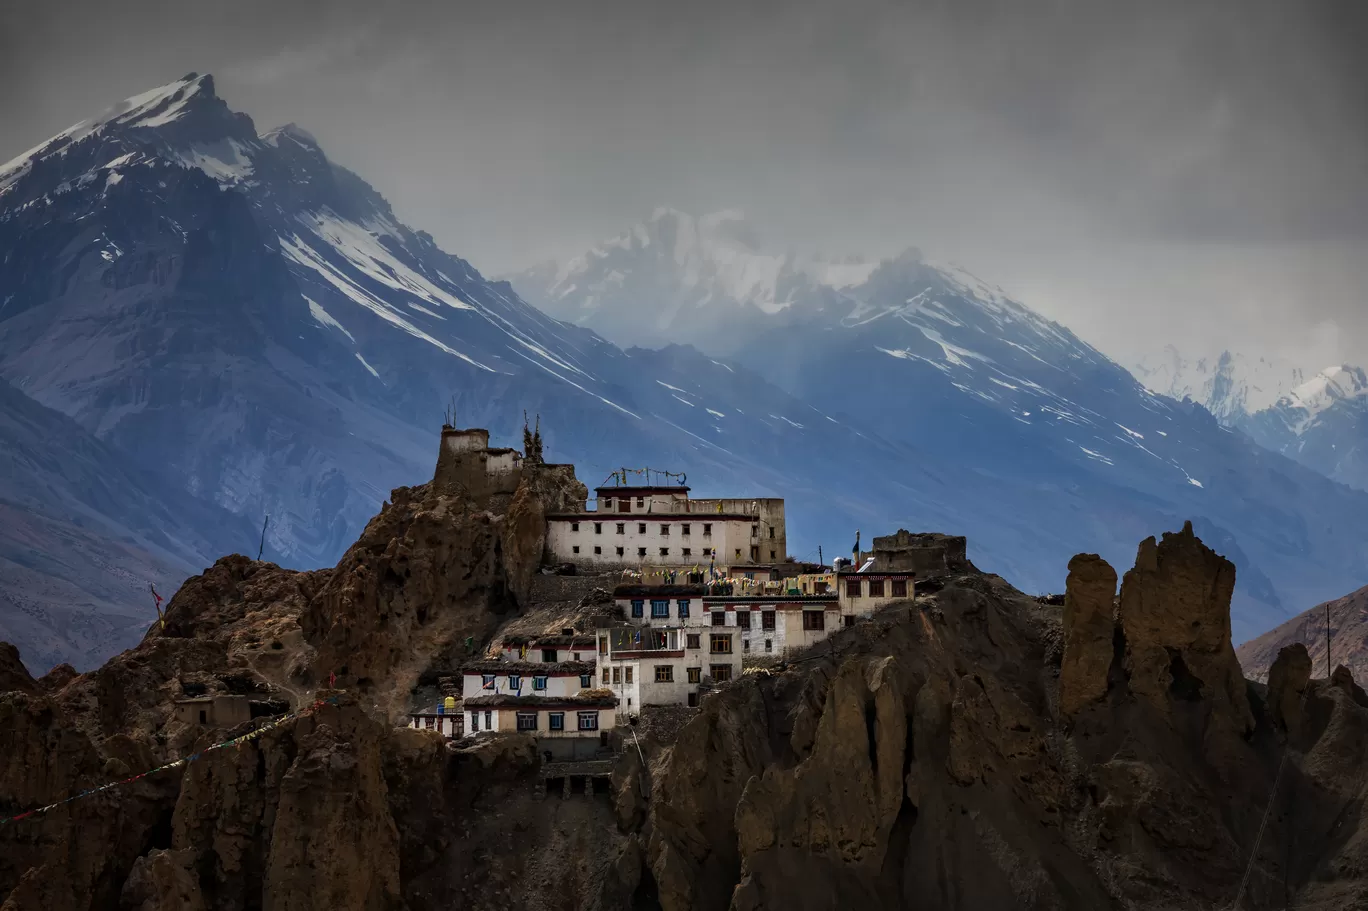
column 291, row 132
column 1327, row 388
column 1230, row 386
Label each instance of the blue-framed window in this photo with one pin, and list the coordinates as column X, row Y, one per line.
column 586, row 681
column 683, row 608
column 486, row 681
column 514, row 682
column 638, row 607
column 538, row 683
column 557, row 720
column 660, row 608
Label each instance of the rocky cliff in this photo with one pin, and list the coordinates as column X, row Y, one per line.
column 976, row 748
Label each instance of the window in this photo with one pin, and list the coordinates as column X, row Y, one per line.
column 769, row 645
column 707, row 551
column 695, row 674
column 691, row 640
column 603, row 647
column 638, row 607
column 738, row 552
column 852, row 588
column 617, row 675
column 622, row 528
column 538, row 683
column 489, row 720
column 639, row 502
column 474, row 722
column 849, row 620
column 514, row 682
column 720, row 643
column 556, row 721
column 771, row 532
column 575, row 549
column 664, row 673
column 574, row 526
column 619, row 551
column 627, row 677
column 688, row 551
column 641, row 528
column 743, row 619
column 771, row 555
column 660, row 608
column 720, row 673
column 745, row 645
column 664, row 529
column 683, row 606
column 527, row 721
column 693, row 699
column 586, row 681
column 767, row 619
column 607, row 502
column 430, row 723
column 598, row 550
column 876, row 588
column 577, row 657
column 755, row 530
column 684, row 529
column 605, row 675
column 486, row 681
column 719, row 618
column 641, row 551
column 598, row 528
column 814, row 619
column 588, row 721
column 900, row 588
column 707, row 529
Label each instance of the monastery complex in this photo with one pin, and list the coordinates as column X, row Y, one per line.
column 692, row 594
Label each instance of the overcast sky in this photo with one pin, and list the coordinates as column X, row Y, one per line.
column 1146, row 172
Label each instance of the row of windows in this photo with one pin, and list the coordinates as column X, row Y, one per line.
column 527, row 721
column 876, row 588
column 660, row 609
column 684, row 529
column 664, row 551
column 487, row 682
column 620, row 675
column 664, row 673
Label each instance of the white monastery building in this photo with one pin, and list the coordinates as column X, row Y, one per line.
column 662, row 526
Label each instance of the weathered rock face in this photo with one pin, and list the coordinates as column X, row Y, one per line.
column 1287, row 682
column 1089, row 623
column 1175, row 614
column 14, row 677
column 335, row 810
column 1130, row 797
column 945, row 754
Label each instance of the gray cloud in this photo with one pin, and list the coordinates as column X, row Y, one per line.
column 1153, row 172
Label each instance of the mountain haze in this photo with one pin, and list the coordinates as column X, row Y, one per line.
column 1019, row 428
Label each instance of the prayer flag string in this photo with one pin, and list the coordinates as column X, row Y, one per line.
column 236, row 741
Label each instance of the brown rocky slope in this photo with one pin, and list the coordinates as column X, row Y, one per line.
column 1347, row 619
column 973, row 749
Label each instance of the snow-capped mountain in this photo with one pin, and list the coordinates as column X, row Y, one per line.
column 1323, row 423
column 677, row 278
column 234, row 312
column 1230, row 386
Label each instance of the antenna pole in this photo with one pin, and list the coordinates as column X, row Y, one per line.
column 262, row 548
column 1327, row 640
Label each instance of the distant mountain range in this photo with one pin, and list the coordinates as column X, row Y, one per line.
column 1321, row 419
column 249, row 326
column 1038, row 438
